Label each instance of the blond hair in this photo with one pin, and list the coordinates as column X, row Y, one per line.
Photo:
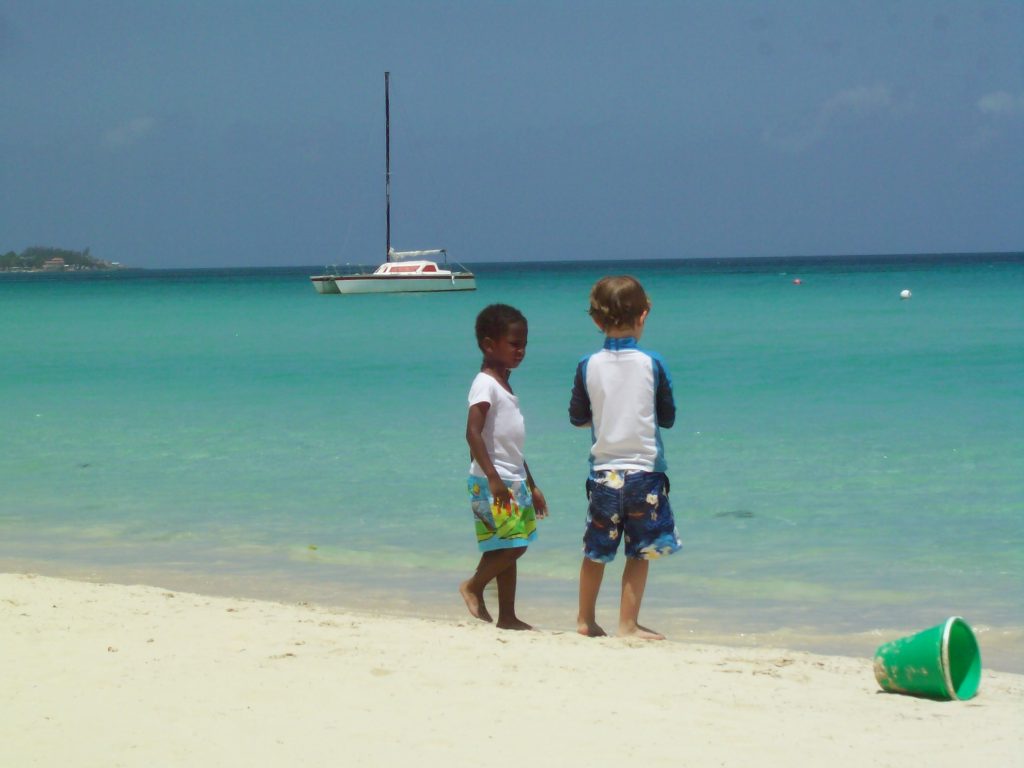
column 617, row 302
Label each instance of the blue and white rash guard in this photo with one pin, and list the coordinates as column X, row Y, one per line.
column 625, row 394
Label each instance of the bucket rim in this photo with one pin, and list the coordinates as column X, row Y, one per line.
column 947, row 672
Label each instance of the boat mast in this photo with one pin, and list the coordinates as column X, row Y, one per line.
column 387, row 159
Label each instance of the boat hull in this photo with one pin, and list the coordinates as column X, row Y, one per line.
column 405, row 284
column 325, row 283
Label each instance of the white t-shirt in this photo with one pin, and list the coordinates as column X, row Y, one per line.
column 504, row 430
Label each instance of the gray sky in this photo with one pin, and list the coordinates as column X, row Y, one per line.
column 216, row 133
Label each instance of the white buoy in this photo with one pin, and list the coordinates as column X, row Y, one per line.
column 905, row 293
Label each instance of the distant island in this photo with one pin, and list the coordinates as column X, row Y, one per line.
column 40, row 259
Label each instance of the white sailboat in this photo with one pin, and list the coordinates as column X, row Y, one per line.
column 402, row 271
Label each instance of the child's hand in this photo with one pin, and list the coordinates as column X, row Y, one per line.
column 540, row 504
column 499, row 492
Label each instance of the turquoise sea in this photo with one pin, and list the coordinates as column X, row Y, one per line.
column 846, row 465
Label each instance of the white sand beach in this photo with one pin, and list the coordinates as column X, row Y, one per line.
column 109, row 675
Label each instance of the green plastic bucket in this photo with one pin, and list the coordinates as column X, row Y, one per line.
column 939, row 663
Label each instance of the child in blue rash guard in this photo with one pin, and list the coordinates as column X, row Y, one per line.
column 505, row 499
column 624, row 394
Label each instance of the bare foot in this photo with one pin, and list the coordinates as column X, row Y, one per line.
column 590, row 629
column 512, row 624
column 474, row 602
column 640, row 633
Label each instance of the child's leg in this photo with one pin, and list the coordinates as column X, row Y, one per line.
column 634, row 582
column 507, row 618
column 491, row 564
column 591, row 573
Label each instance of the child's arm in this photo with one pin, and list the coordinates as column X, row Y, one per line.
column 540, row 504
column 580, row 414
column 478, row 450
column 665, row 403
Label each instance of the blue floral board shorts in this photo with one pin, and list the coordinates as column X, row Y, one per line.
column 632, row 505
column 502, row 527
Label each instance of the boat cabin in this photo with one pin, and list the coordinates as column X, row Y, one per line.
column 410, row 268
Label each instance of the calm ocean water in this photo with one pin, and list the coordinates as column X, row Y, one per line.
column 845, row 464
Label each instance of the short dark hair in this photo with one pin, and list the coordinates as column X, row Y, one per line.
column 494, row 321
column 617, row 302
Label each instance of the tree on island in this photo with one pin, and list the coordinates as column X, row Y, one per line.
column 35, row 258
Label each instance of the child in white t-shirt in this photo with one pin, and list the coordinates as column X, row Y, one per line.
column 505, row 499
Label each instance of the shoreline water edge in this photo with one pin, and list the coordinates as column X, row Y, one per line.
column 415, row 593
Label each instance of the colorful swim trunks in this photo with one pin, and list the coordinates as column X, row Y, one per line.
column 631, row 505
column 502, row 527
